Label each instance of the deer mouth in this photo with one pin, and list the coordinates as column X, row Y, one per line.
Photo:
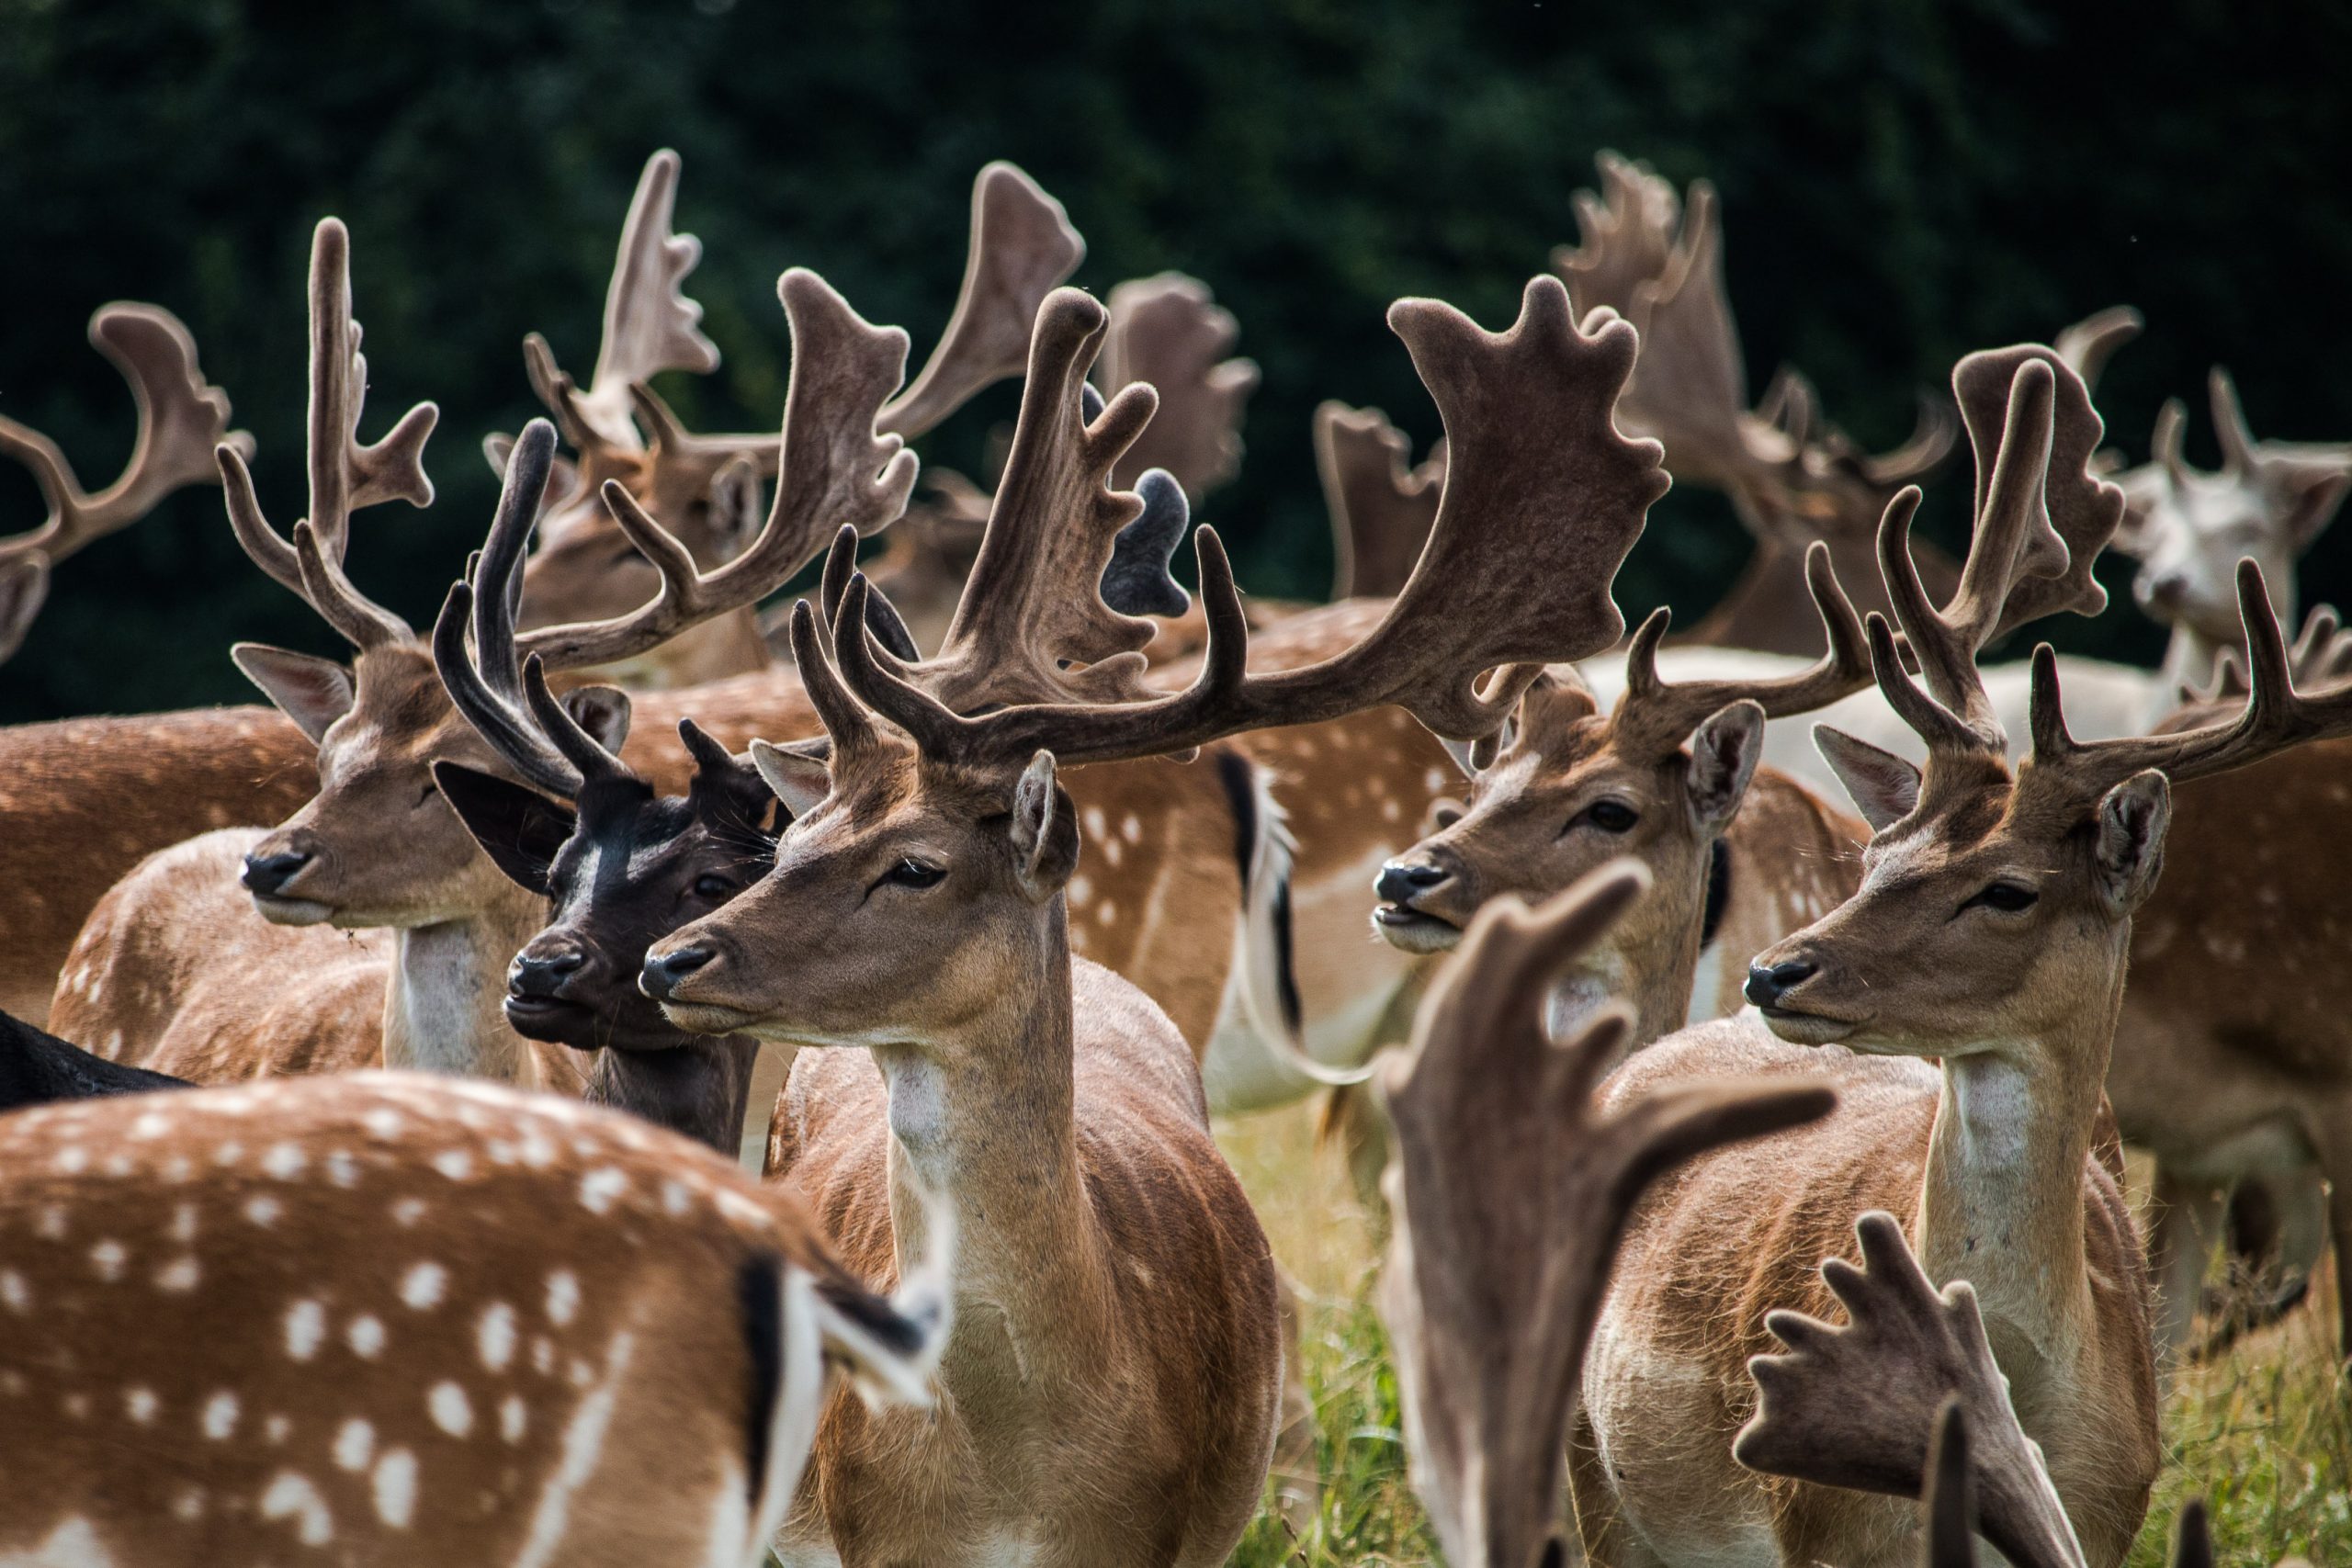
column 1415, row 930
column 280, row 911
column 1799, row 1027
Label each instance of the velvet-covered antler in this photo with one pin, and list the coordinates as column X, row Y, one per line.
column 1169, row 334
column 1510, row 1192
column 1382, row 507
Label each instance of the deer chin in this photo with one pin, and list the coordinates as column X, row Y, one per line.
column 710, row 1017
column 1800, row 1027
column 282, row 912
column 1414, row 932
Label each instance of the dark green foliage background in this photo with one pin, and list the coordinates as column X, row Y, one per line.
column 1904, row 180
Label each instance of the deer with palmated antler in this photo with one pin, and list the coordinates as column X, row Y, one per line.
column 384, row 1317
column 705, row 489
column 1508, row 1195
column 181, row 419
column 1989, row 935
column 377, row 847
column 916, row 909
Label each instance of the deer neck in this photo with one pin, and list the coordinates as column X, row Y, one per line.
column 444, row 1010
column 2001, row 1204
column 699, row 1090
column 982, row 1124
column 1648, row 965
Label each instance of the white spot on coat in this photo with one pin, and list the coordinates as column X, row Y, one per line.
column 219, row 1415
column 497, row 1335
column 421, row 1286
column 292, row 1497
column 563, row 1296
column 395, row 1487
column 599, row 1187
column 305, row 1325
column 354, row 1443
column 452, row 1411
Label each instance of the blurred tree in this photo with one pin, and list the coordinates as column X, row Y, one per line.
column 1904, row 180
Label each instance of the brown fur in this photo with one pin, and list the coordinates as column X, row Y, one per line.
column 87, row 799
column 378, row 1318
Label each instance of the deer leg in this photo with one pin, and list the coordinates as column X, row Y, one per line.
column 2180, row 1239
column 2332, row 1138
column 1296, row 1471
column 2277, row 1226
column 1606, row 1540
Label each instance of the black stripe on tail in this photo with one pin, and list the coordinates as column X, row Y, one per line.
column 758, row 1287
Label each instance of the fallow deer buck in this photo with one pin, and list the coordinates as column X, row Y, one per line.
column 916, row 909
column 1989, row 935
column 181, row 419
column 705, row 489
column 1509, row 1194
column 86, row 797
column 2268, row 502
column 377, row 847
column 390, row 1319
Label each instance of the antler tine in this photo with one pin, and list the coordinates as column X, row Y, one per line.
column 2239, row 453
column 1168, row 333
column 1689, row 387
column 24, row 584
column 2087, row 347
column 181, row 419
column 1562, row 512
column 1381, row 509
column 847, row 725
column 485, row 683
column 1932, row 439
column 836, row 469
column 1948, row 1506
column 1490, row 1305
column 1022, row 246
column 1624, row 233
column 2276, row 716
column 649, row 323
column 344, row 475
column 1663, row 715
column 1854, row 1406
column 1032, row 626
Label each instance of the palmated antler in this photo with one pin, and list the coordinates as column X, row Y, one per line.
column 1382, row 509
column 345, row 476
column 1168, row 333
column 1660, row 264
column 1561, row 511
column 1855, row 1405
column 1510, row 1192
column 649, row 324
column 501, row 694
column 2275, row 717
column 837, row 470
column 1660, row 714
column 2042, row 517
column 181, row 419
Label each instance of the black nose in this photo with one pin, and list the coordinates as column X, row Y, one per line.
column 542, row 974
column 265, row 874
column 1765, row 987
column 1400, row 881
column 661, row 974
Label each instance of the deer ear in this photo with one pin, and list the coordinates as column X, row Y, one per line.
column 1886, row 788
column 602, row 712
column 312, row 691
column 1724, row 754
column 2310, row 506
column 799, row 781
column 520, row 829
column 2130, row 853
column 735, row 509
column 1045, row 831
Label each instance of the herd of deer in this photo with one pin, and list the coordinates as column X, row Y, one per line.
column 1079, row 860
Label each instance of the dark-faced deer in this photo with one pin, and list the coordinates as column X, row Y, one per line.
column 181, row 419
column 1988, row 937
column 384, row 1317
column 1509, row 1194
column 916, row 910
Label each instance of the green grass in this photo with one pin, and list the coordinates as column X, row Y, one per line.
column 2264, row 1434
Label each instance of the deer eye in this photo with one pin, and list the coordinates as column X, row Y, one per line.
column 1608, row 816
column 2006, row 896
column 713, row 888
column 914, row 873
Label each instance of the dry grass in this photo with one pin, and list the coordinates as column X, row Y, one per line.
column 2265, row 1434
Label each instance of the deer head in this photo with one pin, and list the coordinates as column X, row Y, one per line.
column 182, row 419
column 2188, row 529
column 378, row 845
column 1510, row 1194
column 948, row 835
column 1975, row 871
column 706, row 489
column 1571, row 789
